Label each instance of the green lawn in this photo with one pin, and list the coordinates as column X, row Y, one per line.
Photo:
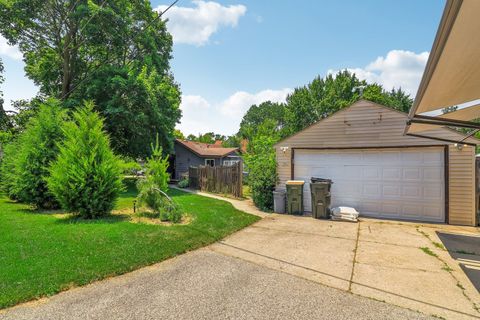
column 42, row 254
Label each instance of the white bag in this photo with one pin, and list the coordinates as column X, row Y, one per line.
column 344, row 213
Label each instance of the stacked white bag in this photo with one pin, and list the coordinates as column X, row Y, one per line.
column 345, row 214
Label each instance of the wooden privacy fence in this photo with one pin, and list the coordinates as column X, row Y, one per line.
column 223, row 179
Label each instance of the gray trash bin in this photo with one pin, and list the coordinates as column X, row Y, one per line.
column 279, row 201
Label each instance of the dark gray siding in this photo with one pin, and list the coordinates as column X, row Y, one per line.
column 184, row 158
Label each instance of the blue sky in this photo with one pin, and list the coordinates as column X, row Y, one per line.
column 230, row 54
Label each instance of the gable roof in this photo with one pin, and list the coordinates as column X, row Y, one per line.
column 439, row 131
column 205, row 149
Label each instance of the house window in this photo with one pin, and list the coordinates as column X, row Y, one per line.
column 210, row 162
column 230, row 162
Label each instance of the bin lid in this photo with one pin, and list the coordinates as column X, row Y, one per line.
column 296, row 182
column 315, row 179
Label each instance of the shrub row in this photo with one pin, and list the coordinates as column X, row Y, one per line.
column 261, row 166
column 61, row 162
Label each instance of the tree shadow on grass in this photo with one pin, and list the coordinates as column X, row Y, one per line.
column 179, row 193
column 113, row 218
column 37, row 211
column 148, row 214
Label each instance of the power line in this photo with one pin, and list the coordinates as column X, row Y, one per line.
column 69, row 11
column 83, row 28
column 159, row 15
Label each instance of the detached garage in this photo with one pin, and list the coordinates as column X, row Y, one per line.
column 382, row 172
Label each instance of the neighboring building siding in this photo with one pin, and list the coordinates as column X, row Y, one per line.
column 462, row 185
column 184, row 158
column 366, row 124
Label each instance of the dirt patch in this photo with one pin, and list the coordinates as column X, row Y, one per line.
column 148, row 217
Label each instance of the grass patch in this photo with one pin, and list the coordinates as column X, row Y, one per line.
column 246, row 191
column 44, row 253
column 447, row 268
column 428, row 251
column 438, row 245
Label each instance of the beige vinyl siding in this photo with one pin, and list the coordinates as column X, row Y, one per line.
column 283, row 167
column 367, row 125
column 462, row 185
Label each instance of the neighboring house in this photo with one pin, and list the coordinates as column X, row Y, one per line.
column 381, row 172
column 190, row 153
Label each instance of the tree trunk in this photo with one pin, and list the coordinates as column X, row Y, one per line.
column 66, row 81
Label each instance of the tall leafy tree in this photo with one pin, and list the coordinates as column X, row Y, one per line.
column 256, row 115
column 325, row 96
column 233, row 141
column 115, row 52
column 179, row 134
column 209, row 137
column 5, row 123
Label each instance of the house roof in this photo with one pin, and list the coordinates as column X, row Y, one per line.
column 440, row 131
column 205, row 149
column 452, row 72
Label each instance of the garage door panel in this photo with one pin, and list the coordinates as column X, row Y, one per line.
column 433, row 192
column 433, row 174
column 412, row 174
column 412, row 157
column 433, row 211
column 412, row 191
column 398, row 183
column 390, row 156
column 392, row 209
column 372, row 158
column 412, row 210
column 391, row 173
column 371, row 173
column 391, row 191
column 433, row 158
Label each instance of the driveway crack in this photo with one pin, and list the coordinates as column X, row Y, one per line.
column 448, row 269
column 354, row 258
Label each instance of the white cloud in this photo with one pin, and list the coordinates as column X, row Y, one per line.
column 196, row 25
column 238, row 103
column 399, row 68
column 8, row 50
column 200, row 116
column 192, row 103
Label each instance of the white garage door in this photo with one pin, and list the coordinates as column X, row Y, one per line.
column 390, row 183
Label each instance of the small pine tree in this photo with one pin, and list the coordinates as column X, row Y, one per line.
column 152, row 189
column 86, row 178
column 35, row 150
column 157, row 166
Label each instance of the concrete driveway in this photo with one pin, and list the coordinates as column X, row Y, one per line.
column 287, row 267
column 402, row 263
column 207, row 285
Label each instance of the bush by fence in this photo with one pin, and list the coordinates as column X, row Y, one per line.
column 223, row 179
